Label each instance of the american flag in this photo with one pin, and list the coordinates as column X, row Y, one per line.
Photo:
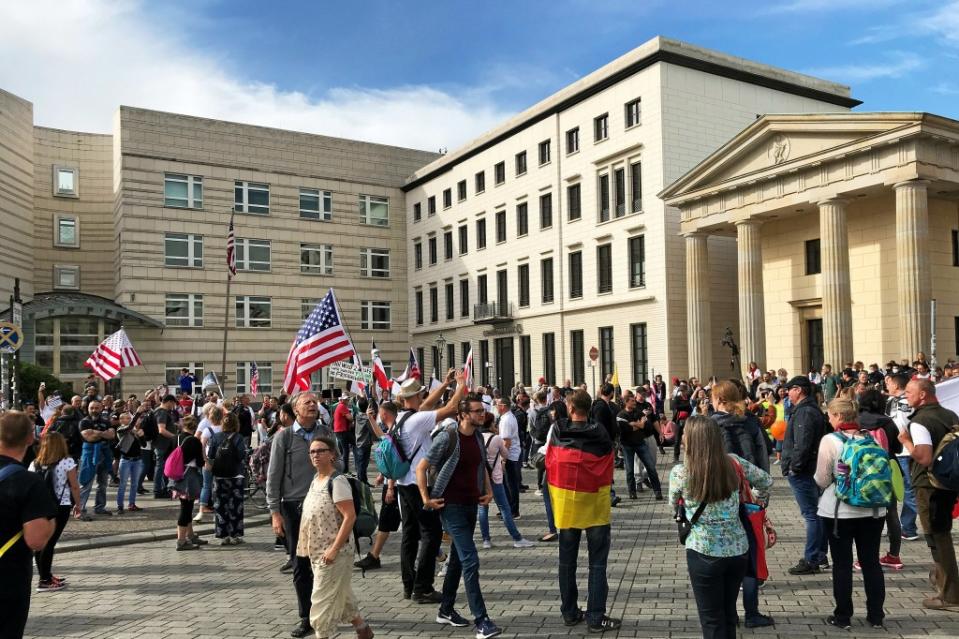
column 231, row 249
column 321, row 341
column 254, row 379
column 114, row 353
column 468, row 369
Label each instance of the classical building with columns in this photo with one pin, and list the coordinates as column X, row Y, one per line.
column 846, row 228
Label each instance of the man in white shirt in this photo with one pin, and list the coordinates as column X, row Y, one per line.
column 422, row 529
column 898, row 409
column 509, row 433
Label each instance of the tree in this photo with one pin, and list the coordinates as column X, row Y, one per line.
column 29, row 377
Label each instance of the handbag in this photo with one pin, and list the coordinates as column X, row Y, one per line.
column 753, row 518
column 684, row 525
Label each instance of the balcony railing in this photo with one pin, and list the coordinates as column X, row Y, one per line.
column 492, row 313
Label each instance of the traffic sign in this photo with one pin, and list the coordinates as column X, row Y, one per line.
column 11, row 337
column 593, row 353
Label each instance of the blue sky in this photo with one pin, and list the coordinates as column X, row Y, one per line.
column 430, row 73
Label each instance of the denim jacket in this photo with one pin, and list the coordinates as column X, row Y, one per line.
column 445, row 466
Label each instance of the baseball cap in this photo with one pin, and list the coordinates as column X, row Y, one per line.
column 800, row 381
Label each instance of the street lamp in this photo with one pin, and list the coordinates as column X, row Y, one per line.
column 440, row 349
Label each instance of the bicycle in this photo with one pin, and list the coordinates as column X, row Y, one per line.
column 254, row 490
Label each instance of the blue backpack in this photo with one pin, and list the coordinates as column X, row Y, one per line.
column 389, row 456
column 868, row 484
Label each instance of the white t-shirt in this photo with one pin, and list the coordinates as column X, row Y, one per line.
column 495, row 450
column 415, row 440
column 509, row 429
column 920, row 434
column 61, row 484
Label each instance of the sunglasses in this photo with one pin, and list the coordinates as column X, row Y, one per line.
column 317, row 451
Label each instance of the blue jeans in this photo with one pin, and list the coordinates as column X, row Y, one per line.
column 160, row 488
column 646, row 459
column 547, row 502
column 751, row 597
column 362, row 456
column 129, row 471
column 597, row 544
column 806, row 493
column 206, row 491
column 499, row 496
column 909, row 509
column 459, row 520
column 102, row 477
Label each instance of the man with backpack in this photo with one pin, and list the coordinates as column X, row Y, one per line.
column 928, row 425
column 603, row 412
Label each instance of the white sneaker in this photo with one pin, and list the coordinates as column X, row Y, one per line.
column 199, row 517
column 442, row 572
column 538, row 493
column 524, row 543
column 487, row 544
column 226, row 541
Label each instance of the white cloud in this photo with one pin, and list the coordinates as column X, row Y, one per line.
column 897, row 64
column 946, row 88
column 77, row 61
column 943, row 22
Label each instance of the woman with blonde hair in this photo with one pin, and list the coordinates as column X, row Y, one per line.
column 706, row 487
column 54, row 457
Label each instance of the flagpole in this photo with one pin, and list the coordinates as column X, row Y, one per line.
column 226, row 329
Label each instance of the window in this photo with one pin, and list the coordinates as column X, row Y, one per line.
column 464, row 299
column 572, row 141
column 253, row 312
column 575, row 275
column 573, row 206
column 603, row 198
column 522, row 219
column 549, row 357
column 419, row 308
column 374, row 316
column 431, row 242
column 374, row 210
column 448, row 245
column 637, row 261
column 420, row 356
column 480, row 182
column 434, row 305
column 502, row 290
column 546, row 278
column 317, row 205
column 484, row 358
column 417, row 255
column 481, row 291
column 523, row 278
column 450, row 303
column 431, row 205
column 307, row 306
column 173, row 372
column 184, row 309
column 450, row 357
column 65, row 181
column 481, row 234
column 606, row 351
column 251, row 197
column 464, row 237
column 601, row 127
column 525, row 360
column 500, row 226
column 464, row 350
column 546, row 211
column 499, row 173
column 417, row 212
column 252, row 255
column 374, row 262
column 265, row 382
column 619, row 180
column 577, row 350
column 67, row 233
column 813, row 257
column 183, row 191
column 640, row 353
column 66, row 277
column 182, row 249
column 544, row 152
column 604, row 268
column 316, row 259
column 955, row 248
column 521, row 163
column 447, row 198
column 633, row 113
column 636, row 186
column 461, row 190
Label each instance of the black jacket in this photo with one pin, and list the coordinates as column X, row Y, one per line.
column 743, row 436
column 806, row 427
column 872, row 421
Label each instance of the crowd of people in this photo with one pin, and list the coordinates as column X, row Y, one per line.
column 463, row 450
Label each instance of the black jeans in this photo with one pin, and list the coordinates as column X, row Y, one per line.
column 715, row 582
column 422, row 535
column 292, row 512
column 346, row 442
column 513, row 477
column 149, row 465
column 680, row 426
column 15, row 607
column 598, row 539
column 44, row 558
column 866, row 533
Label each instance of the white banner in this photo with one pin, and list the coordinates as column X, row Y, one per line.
column 352, row 372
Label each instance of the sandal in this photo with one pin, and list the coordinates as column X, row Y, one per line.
column 549, row 537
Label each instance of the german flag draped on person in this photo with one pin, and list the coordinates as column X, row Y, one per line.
column 579, row 470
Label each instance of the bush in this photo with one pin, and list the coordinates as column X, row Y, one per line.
column 29, row 377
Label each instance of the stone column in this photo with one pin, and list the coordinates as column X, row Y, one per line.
column 752, row 326
column 836, row 296
column 914, row 278
column 698, row 325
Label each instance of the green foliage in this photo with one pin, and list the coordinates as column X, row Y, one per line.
column 29, row 377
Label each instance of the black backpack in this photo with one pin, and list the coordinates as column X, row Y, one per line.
column 541, row 424
column 945, row 462
column 245, row 419
column 148, row 423
column 522, row 420
column 49, row 475
column 226, row 459
column 69, row 427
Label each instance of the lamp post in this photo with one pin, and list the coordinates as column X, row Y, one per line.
column 440, row 349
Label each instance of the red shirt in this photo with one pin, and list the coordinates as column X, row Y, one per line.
column 340, row 425
column 463, row 488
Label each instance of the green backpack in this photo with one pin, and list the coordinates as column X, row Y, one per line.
column 868, row 483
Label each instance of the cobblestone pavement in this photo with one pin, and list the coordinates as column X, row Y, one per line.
column 149, row 590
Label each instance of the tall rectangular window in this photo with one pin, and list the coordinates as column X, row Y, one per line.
column 317, row 259
column 251, row 197
column 479, row 182
column 572, row 141
column 447, row 198
column 252, row 255
column 183, row 250
column 546, row 211
column 955, row 247
column 481, row 233
column 483, row 360
column 450, row 302
column 636, row 186
column 633, row 113
column 573, row 205
column 374, row 210
column 603, row 193
column 502, row 290
column 521, row 163
column 184, row 309
column 418, row 303
column 522, row 219
column 481, row 289
column 549, row 358
column 448, row 245
column 546, row 279
column 575, row 275
column 182, row 191
column 431, row 205
column 522, row 272
column 544, row 152
column 606, row 358
column 375, row 316
column 66, row 232
column 417, row 212
column 253, row 311
column 813, row 258
column 450, row 357
column 604, row 268
column 577, row 354
column 619, row 177
column 499, row 173
column 375, row 262
column 500, row 226
column 417, row 255
column 464, row 351
column 431, row 243
column 640, row 353
column 601, row 127
column 464, row 239
column 637, row 261
column 525, row 360
column 461, row 190
column 318, row 205
column 464, row 298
